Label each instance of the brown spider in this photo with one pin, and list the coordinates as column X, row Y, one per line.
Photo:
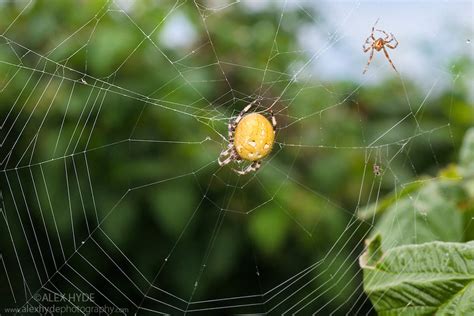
column 378, row 45
column 377, row 169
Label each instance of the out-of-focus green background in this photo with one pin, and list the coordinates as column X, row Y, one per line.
column 112, row 115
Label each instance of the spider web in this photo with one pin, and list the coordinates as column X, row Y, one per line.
column 95, row 162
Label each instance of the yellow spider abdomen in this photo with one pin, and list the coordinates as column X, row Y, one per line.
column 254, row 137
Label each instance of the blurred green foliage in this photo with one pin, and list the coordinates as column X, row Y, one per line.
column 117, row 129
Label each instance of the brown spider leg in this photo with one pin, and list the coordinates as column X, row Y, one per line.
column 387, row 36
column 373, row 30
column 229, row 153
column 392, row 39
column 231, row 128
column 371, row 36
column 377, row 21
column 233, row 124
column 253, row 167
column 370, row 59
column 227, row 161
column 372, row 33
column 245, row 110
column 367, row 43
column 274, row 121
column 388, row 57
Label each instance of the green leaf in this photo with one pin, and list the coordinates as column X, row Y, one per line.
column 373, row 253
column 422, row 216
column 451, row 172
column 434, row 278
column 384, row 203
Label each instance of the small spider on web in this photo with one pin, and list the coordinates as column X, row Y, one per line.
column 377, row 170
column 379, row 44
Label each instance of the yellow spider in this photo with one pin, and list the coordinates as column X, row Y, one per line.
column 251, row 138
